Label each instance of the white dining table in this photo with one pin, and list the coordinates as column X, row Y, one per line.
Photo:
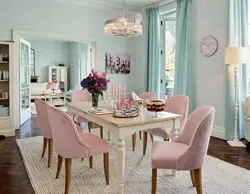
column 121, row 128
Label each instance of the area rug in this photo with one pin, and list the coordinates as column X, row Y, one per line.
column 218, row 177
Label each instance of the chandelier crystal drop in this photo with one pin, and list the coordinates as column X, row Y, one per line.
column 128, row 25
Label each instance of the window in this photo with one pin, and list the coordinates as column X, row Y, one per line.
column 168, row 34
column 170, row 29
column 168, row 45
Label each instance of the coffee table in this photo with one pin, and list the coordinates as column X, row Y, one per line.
column 56, row 98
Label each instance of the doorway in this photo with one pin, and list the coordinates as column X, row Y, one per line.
column 25, row 110
column 23, row 105
column 168, row 39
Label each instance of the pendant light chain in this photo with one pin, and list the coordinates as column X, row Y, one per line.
column 123, row 6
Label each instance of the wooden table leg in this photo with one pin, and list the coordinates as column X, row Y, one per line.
column 120, row 165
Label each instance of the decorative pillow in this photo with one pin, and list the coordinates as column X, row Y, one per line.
column 52, row 86
column 58, row 91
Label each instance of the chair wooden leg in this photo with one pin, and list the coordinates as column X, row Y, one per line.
column 140, row 134
column 106, row 166
column 198, row 181
column 82, row 159
column 50, row 152
column 90, row 126
column 101, row 132
column 152, row 137
column 67, row 174
column 133, row 141
column 154, row 180
column 192, row 177
column 145, row 141
column 45, row 142
column 59, row 166
column 91, row 162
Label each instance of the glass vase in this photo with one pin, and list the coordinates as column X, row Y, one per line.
column 95, row 99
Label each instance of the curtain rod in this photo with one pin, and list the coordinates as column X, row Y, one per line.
column 162, row 2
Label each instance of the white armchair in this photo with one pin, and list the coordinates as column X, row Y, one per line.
column 246, row 111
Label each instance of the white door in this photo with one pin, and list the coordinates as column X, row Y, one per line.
column 25, row 93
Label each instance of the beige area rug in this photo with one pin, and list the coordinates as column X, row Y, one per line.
column 218, row 177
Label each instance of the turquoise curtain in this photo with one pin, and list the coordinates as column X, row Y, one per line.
column 238, row 37
column 84, row 60
column 79, row 62
column 153, row 49
column 184, row 83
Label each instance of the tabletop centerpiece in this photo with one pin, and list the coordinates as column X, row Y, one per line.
column 156, row 106
column 125, row 109
column 96, row 83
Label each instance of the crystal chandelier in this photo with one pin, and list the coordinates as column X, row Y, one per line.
column 129, row 25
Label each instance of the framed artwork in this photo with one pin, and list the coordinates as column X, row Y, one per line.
column 117, row 63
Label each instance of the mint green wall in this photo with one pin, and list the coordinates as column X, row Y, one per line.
column 55, row 17
column 49, row 53
column 211, row 18
column 51, row 16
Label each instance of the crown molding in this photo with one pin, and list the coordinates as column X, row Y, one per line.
column 97, row 4
column 114, row 5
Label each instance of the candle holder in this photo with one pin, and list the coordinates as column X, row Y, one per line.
column 125, row 109
column 111, row 103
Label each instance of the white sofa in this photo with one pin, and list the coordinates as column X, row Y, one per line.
column 38, row 89
column 246, row 111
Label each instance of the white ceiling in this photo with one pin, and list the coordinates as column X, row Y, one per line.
column 113, row 4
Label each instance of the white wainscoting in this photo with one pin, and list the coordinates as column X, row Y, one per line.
column 218, row 132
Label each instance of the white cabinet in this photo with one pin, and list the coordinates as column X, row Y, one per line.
column 59, row 74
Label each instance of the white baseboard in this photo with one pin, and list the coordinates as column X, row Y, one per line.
column 218, row 132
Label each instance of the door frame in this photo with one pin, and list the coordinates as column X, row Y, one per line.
column 162, row 59
column 16, row 35
column 27, row 109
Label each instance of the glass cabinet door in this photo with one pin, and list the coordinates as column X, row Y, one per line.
column 54, row 75
column 25, row 110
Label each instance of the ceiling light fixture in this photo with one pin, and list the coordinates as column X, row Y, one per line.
column 129, row 25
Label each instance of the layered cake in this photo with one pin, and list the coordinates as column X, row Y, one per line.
column 156, row 106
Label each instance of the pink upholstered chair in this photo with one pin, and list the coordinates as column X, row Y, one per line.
column 84, row 95
column 72, row 143
column 43, row 120
column 148, row 96
column 188, row 151
column 175, row 104
column 144, row 96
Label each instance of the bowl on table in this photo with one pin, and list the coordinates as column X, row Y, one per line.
column 156, row 106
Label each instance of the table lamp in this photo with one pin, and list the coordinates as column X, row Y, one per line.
column 236, row 56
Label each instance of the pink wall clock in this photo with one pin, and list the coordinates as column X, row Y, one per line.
column 209, row 46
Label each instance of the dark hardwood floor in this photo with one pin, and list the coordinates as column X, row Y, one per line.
column 14, row 180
